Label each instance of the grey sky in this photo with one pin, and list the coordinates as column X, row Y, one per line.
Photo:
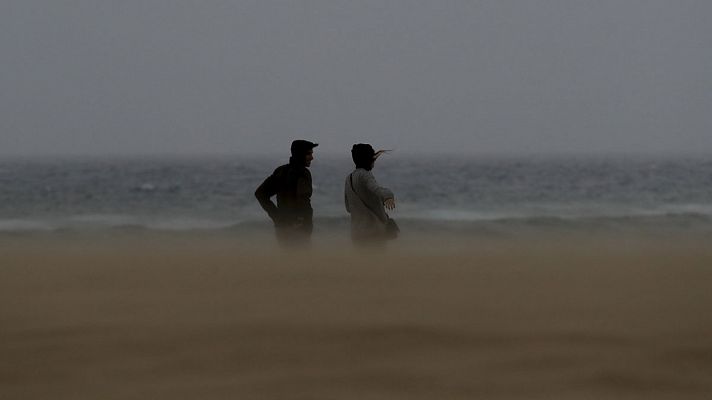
column 154, row 76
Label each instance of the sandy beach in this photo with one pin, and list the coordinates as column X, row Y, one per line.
column 224, row 316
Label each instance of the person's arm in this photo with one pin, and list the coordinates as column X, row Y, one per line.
column 267, row 189
column 346, row 198
column 384, row 195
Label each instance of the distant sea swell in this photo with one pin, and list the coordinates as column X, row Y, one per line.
column 456, row 193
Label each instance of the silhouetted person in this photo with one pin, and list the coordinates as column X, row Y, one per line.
column 366, row 201
column 292, row 184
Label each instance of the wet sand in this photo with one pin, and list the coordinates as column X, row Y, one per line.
column 217, row 316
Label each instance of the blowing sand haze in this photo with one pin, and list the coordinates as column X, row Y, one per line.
column 185, row 316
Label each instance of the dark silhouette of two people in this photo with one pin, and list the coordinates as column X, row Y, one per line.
column 365, row 200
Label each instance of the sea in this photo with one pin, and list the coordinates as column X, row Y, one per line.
column 459, row 193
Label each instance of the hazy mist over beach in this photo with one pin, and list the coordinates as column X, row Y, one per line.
column 541, row 76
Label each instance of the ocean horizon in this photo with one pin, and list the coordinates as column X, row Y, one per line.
column 179, row 193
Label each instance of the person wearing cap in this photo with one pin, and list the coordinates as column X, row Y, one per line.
column 292, row 184
column 366, row 200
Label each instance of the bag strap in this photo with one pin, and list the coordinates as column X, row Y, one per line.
column 351, row 181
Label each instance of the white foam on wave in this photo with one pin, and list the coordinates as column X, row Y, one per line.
column 698, row 209
column 158, row 222
column 186, row 224
column 111, row 221
column 562, row 211
column 100, row 220
column 24, row 225
column 453, row 215
column 89, row 222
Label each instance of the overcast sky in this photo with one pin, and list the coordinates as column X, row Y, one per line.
column 214, row 76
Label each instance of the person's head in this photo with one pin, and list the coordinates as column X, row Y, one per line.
column 303, row 152
column 363, row 155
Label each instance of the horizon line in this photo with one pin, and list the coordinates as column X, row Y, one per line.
column 334, row 154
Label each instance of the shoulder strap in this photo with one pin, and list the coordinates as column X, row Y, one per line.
column 351, row 181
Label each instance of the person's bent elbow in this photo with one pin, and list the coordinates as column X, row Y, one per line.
column 261, row 195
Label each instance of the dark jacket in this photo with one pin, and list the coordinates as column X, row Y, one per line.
column 292, row 184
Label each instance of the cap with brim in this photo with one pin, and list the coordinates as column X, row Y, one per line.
column 301, row 147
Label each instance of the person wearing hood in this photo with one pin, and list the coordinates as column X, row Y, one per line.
column 367, row 201
column 292, row 184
